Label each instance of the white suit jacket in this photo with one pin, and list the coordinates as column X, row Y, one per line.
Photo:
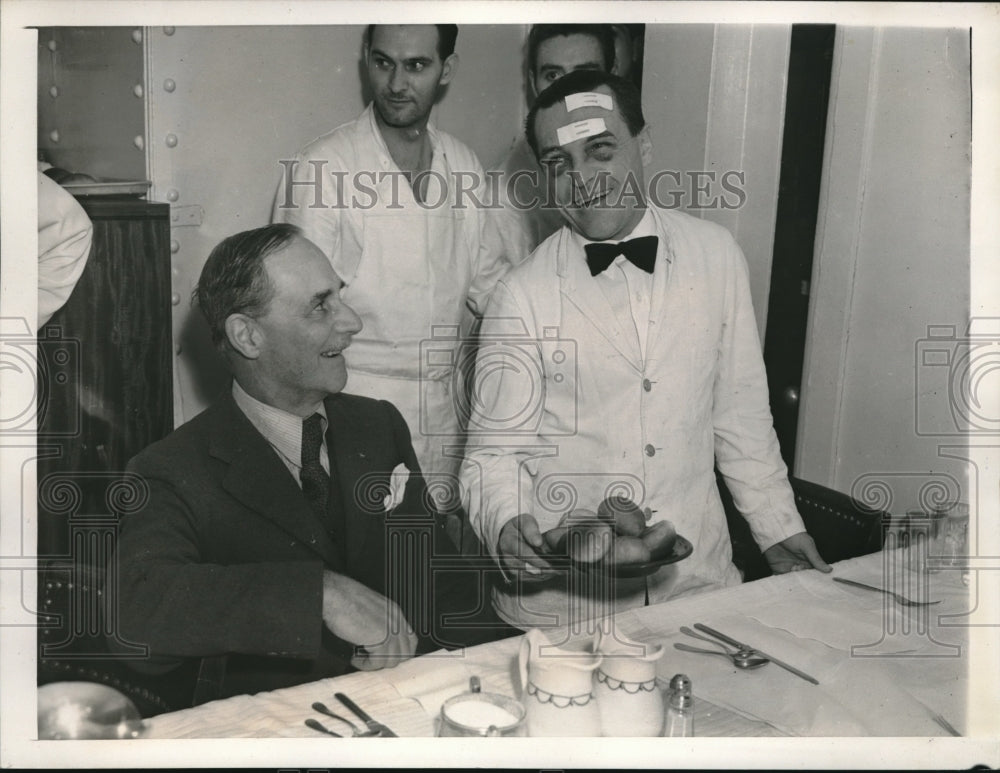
column 568, row 412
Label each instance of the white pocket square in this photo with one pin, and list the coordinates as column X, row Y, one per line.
column 397, row 485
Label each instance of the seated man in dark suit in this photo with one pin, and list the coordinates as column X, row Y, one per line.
column 278, row 523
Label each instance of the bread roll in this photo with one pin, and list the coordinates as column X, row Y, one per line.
column 623, row 514
column 588, row 543
column 556, row 537
column 660, row 538
column 630, row 550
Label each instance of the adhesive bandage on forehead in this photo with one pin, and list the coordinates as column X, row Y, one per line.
column 588, row 127
column 588, row 99
column 580, row 129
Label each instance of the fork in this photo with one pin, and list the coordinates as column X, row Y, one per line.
column 355, row 730
column 899, row 598
column 689, row 632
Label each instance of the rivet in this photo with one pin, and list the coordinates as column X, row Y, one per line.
column 137, row 36
column 173, row 195
column 171, row 140
column 54, row 135
column 139, row 142
column 169, row 84
column 137, row 90
column 168, row 30
column 175, row 299
column 175, row 246
column 53, row 91
column 53, row 45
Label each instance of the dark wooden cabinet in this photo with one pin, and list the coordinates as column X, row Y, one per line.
column 105, row 362
column 105, row 392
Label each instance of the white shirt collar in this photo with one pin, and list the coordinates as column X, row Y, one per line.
column 281, row 429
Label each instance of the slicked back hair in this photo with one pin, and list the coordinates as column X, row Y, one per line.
column 447, row 36
column 234, row 280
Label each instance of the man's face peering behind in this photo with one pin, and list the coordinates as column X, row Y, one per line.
column 562, row 54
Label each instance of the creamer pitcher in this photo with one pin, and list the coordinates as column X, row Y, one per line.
column 558, row 688
column 629, row 702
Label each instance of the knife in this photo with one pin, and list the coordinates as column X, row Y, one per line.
column 361, row 714
column 741, row 645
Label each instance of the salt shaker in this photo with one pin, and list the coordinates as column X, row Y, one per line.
column 680, row 708
column 954, row 547
column 954, row 541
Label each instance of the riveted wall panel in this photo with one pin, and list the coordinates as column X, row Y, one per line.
column 90, row 100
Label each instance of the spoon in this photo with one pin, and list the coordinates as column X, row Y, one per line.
column 743, row 659
column 689, row 632
column 312, row 723
column 746, row 654
column 322, row 709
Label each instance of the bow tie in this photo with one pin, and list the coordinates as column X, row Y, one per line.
column 641, row 252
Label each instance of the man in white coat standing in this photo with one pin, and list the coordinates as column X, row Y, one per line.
column 392, row 202
column 621, row 357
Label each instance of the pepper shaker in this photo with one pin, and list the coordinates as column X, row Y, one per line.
column 680, row 708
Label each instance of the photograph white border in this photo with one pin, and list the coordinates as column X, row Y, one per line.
column 18, row 58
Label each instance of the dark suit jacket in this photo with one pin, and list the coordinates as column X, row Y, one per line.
column 227, row 557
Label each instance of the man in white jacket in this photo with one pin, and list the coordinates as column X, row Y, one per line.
column 621, row 357
column 392, row 202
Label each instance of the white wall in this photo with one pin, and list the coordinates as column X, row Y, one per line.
column 892, row 259
column 245, row 97
column 714, row 97
column 893, row 234
column 677, row 74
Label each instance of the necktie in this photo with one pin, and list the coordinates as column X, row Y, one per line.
column 640, row 251
column 315, row 481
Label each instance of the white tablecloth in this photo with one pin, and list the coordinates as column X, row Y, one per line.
column 883, row 669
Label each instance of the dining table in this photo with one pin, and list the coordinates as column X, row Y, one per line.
column 881, row 668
